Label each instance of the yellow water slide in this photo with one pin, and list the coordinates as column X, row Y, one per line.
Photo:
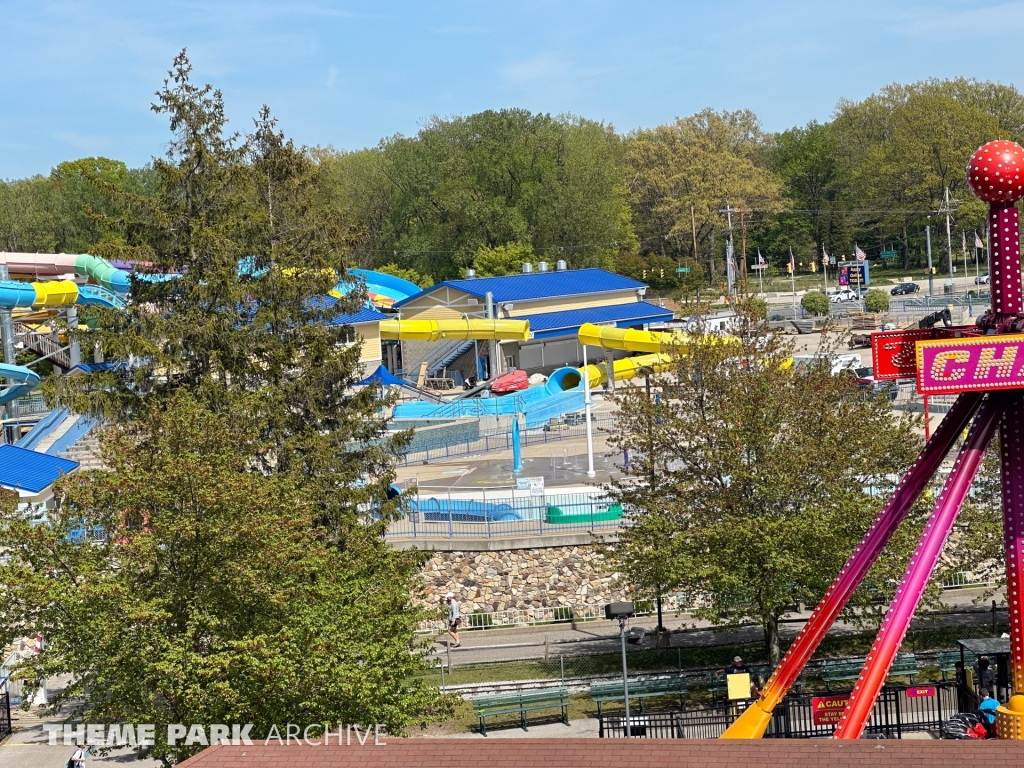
column 463, row 328
column 631, row 341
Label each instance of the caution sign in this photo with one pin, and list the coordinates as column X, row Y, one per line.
column 826, row 710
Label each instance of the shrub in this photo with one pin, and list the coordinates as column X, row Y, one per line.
column 815, row 303
column 876, row 301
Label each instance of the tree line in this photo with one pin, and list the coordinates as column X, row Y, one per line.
column 492, row 189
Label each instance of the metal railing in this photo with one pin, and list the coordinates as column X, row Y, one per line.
column 899, row 709
column 28, row 406
column 501, row 440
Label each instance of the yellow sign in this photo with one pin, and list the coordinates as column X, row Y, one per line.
column 739, row 685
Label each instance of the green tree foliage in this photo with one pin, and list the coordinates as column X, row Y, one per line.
column 701, row 163
column 432, row 200
column 245, row 332
column 507, row 259
column 748, row 480
column 876, row 301
column 815, row 303
column 214, row 597
column 423, row 281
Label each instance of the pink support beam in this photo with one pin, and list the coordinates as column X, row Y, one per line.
column 752, row 723
column 1011, row 438
column 1004, row 239
column 919, row 571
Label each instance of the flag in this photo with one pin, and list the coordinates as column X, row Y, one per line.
column 977, row 241
column 824, row 256
column 963, row 238
column 760, row 258
column 861, row 256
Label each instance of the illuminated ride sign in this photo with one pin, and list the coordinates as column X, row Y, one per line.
column 951, row 366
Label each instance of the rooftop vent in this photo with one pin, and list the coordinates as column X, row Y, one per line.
column 470, row 274
column 527, row 268
column 560, row 265
column 542, row 267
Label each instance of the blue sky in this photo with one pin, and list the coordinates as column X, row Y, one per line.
column 79, row 76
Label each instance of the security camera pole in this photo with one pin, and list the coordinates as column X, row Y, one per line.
column 622, row 611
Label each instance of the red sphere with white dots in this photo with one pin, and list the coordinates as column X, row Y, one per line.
column 995, row 171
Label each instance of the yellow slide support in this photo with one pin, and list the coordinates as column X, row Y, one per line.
column 55, row 293
column 463, row 328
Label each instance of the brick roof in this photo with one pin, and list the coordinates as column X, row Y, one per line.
column 615, row 753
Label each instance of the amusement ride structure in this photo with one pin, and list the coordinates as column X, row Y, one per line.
column 984, row 365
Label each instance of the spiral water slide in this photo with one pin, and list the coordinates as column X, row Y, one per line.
column 53, row 294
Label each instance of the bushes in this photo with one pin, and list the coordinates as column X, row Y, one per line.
column 815, row 303
column 876, row 301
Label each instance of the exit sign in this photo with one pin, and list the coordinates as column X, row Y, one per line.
column 888, row 255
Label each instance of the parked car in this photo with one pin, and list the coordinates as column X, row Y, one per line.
column 981, row 279
column 843, row 294
column 904, row 288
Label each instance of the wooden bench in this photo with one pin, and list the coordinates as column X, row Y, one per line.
column 642, row 688
column 520, row 703
column 838, row 670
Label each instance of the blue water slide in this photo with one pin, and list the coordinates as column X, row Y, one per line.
column 16, row 295
column 561, row 393
column 445, row 510
column 387, row 285
column 93, row 294
column 22, row 381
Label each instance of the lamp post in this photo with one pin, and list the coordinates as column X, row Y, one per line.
column 586, row 414
column 622, row 611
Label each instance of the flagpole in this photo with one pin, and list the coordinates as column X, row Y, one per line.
column 963, row 245
column 824, row 267
column 858, row 262
column 977, row 261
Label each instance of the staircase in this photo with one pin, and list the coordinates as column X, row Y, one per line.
column 43, row 343
column 440, row 356
column 86, row 452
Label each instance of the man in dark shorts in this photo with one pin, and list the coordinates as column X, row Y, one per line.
column 454, row 618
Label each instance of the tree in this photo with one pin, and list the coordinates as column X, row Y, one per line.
column 876, row 301
column 507, row 259
column 815, row 303
column 753, row 482
column 213, row 597
column 703, row 163
column 244, row 328
column 432, row 200
column 423, row 281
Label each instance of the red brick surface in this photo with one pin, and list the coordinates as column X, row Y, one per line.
column 617, row 753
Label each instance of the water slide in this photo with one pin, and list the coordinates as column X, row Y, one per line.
column 386, row 290
column 53, row 294
column 463, row 328
column 22, row 381
column 56, row 265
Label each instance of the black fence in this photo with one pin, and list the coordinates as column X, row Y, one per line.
column 5, row 716
column 899, row 709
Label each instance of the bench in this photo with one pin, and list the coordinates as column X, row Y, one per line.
column 642, row 688
column 520, row 703
column 948, row 660
column 838, row 670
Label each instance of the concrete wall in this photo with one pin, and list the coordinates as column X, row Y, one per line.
column 487, row 581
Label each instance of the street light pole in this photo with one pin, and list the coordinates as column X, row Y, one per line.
column 625, row 673
column 586, row 414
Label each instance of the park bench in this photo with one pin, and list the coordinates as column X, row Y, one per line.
column 839, row 670
column 643, row 688
column 948, row 660
column 520, row 703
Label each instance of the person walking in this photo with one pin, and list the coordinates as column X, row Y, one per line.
column 78, row 759
column 454, row 618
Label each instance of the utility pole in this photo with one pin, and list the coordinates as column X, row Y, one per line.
column 928, row 250
column 743, row 248
column 947, row 209
column 824, row 267
column 693, row 230
column 730, row 267
column 792, row 274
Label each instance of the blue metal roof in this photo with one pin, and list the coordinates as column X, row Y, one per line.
column 549, row 324
column 362, row 316
column 538, row 285
column 29, row 471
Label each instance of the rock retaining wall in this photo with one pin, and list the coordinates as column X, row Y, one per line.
column 523, row 578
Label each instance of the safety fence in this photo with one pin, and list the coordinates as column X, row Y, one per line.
column 501, row 440
column 501, row 512
column 899, row 709
column 5, row 716
column 697, row 653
